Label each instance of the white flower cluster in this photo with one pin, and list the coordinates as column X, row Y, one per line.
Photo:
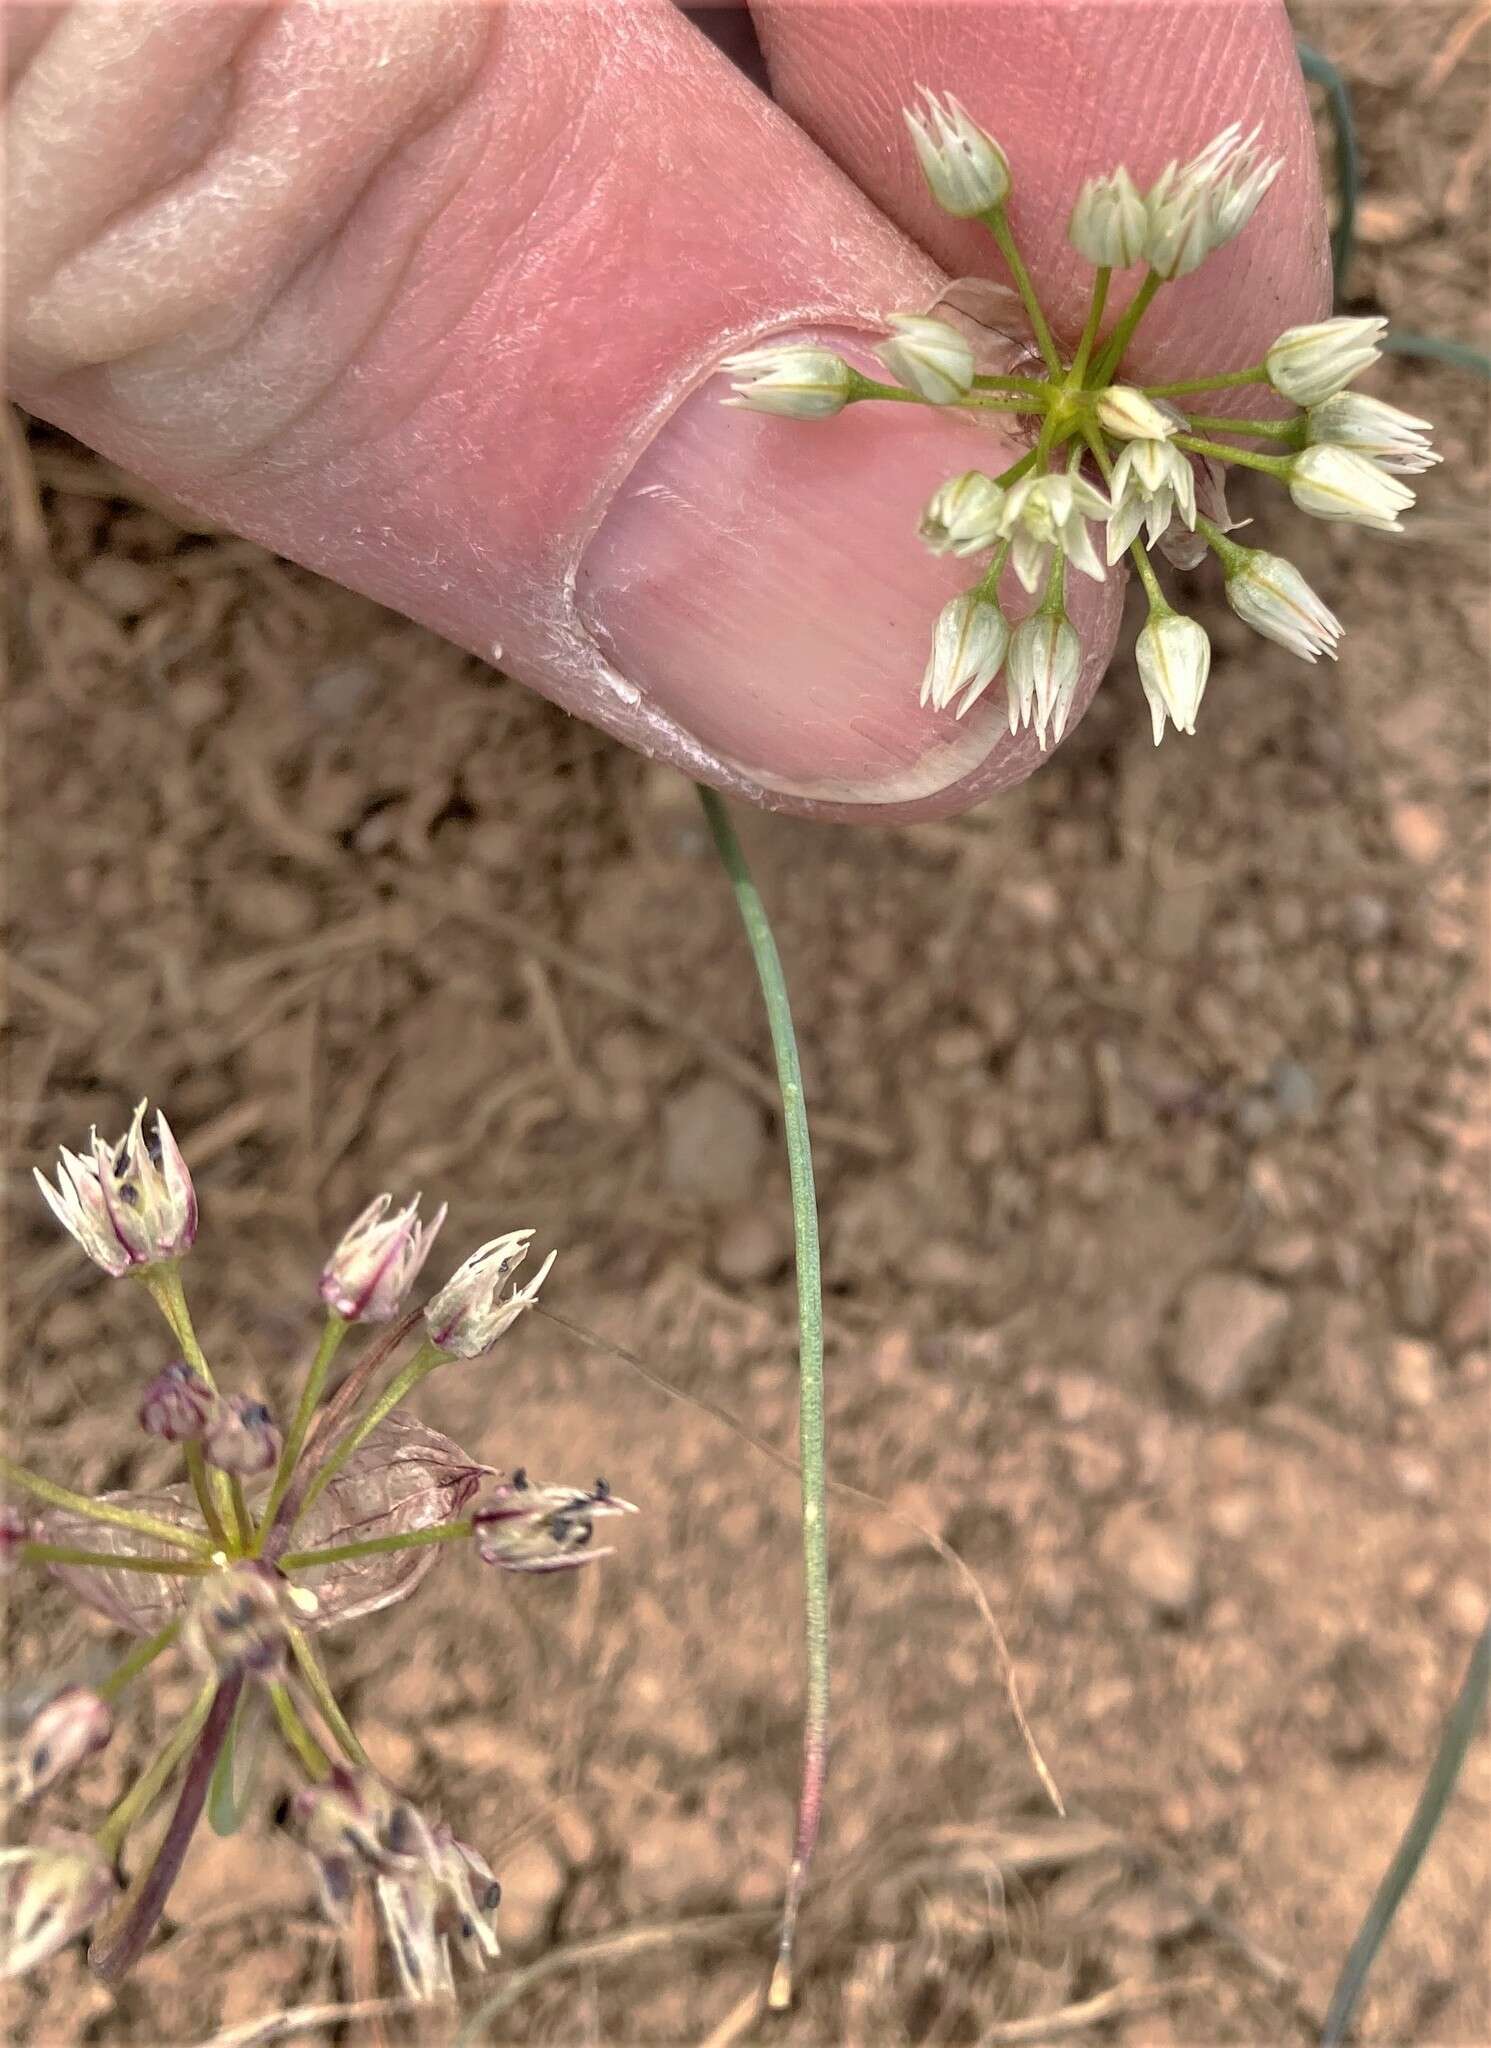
column 1137, row 460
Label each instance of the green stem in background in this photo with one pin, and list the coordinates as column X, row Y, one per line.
column 322, row 1438
column 152, row 1781
column 101, row 1510
column 113, row 1561
column 196, row 1467
column 319, row 1687
column 1272, row 430
column 243, row 1521
column 334, row 1330
column 399, row 1388
column 810, row 1372
column 1225, row 380
column 139, row 1659
column 1460, row 1729
column 224, row 1815
column 1271, row 465
column 373, row 1546
column 1123, row 333
column 996, row 221
column 296, row 1734
column 1094, row 321
column 1032, row 387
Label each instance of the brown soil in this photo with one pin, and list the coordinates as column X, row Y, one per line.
column 364, row 914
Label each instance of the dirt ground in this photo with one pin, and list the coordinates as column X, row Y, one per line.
column 1152, row 1148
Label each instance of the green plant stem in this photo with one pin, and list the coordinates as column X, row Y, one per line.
column 243, row 1521
column 1032, row 387
column 810, row 1373
column 1229, row 554
column 1113, row 348
column 988, row 584
column 1272, row 430
column 398, row 1389
column 164, row 1285
column 105, row 1560
column 998, row 225
column 152, row 1781
column 1225, row 380
column 332, row 1333
column 1016, row 470
column 977, row 402
column 319, row 1686
column 101, row 1510
column 1148, row 578
column 1094, row 321
column 321, row 1440
column 1271, row 465
column 196, row 1467
column 1464, row 1719
column 298, row 1737
column 374, row 1546
column 139, row 1659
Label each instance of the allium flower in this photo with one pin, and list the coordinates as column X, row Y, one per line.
column 962, row 515
column 1153, row 481
column 1195, row 207
column 799, row 383
column 1110, row 222
column 967, row 170
column 1314, row 362
column 928, row 357
column 238, row 1620
column 128, row 1204
column 471, row 1312
column 70, row 1728
column 1045, row 661
column 378, row 1260
column 50, row 1893
column 968, row 646
column 176, row 1405
column 241, row 1437
column 1174, row 657
column 1337, row 483
column 15, row 1529
column 1128, row 415
column 526, row 1525
column 1043, row 513
column 1392, row 438
column 1270, row 595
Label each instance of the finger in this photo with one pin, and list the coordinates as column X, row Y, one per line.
column 1071, row 91
column 432, row 299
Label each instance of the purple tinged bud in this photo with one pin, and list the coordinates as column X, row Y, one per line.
column 237, row 1620
column 240, row 1437
column 69, row 1729
column 471, row 1312
column 177, row 1405
column 130, row 1203
column 378, row 1260
column 526, row 1525
column 50, row 1893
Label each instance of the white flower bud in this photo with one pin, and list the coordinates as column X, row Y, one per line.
column 471, row 1312
column 1270, row 595
column 968, row 645
column 967, row 170
column 1042, row 513
column 794, row 381
column 1129, row 416
column 1194, row 208
column 1314, row 362
column 1045, row 661
column 1337, row 483
column 1152, row 482
column 928, row 357
column 1110, row 223
column 962, row 515
column 1174, row 658
column 368, row 1275
column 130, row 1203
column 1393, row 438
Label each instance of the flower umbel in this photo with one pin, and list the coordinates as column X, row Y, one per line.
column 1160, row 450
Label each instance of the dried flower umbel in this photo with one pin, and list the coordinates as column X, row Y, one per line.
column 267, row 1541
column 1156, row 452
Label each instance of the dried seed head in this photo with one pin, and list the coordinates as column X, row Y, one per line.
column 71, row 1727
column 237, row 1620
column 378, row 1260
column 50, row 1893
column 130, row 1203
column 471, row 1312
column 177, row 1405
column 240, row 1437
column 527, row 1525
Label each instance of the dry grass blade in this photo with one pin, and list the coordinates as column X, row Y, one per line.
column 1087, row 2012
column 302, row 2019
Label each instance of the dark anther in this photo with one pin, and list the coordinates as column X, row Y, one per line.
column 121, row 1158
column 491, row 1897
column 255, row 1414
column 520, row 1479
column 41, row 1759
column 602, row 1490
column 398, row 1835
